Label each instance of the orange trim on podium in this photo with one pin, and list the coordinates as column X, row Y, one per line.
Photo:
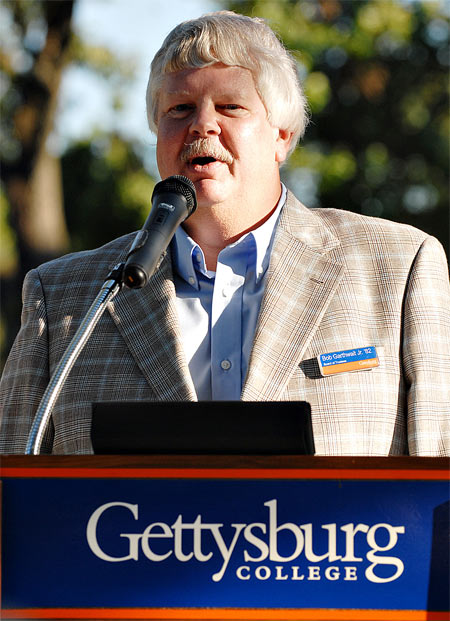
column 224, row 614
column 226, row 473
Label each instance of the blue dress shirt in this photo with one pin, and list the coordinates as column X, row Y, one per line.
column 218, row 310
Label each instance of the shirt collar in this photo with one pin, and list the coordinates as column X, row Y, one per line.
column 188, row 257
column 264, row 235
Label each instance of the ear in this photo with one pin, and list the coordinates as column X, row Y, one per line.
column 282, row 144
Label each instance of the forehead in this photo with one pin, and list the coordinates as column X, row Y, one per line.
column 221, row 79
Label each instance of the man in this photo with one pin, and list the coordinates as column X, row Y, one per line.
column 255, row 286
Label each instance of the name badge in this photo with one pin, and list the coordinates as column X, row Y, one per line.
column 357, row 359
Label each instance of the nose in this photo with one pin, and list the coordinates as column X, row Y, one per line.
column 204, row 121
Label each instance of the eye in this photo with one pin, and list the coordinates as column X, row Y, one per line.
column 231, row 109
column 180, row 110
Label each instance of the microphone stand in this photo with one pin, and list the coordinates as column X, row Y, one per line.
column 173, row 200
column 110, row 288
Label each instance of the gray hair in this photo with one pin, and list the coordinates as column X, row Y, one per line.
column 235, row 40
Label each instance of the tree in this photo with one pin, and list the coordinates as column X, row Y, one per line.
column 28, row 109
column 102, row 181
column 106, row 190
column 375, row 74
column 30, row 175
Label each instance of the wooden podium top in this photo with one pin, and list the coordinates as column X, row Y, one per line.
column 284, row 462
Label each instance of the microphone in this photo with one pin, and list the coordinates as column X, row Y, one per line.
column 173, row 200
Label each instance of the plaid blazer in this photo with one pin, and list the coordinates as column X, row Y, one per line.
column 336, row 281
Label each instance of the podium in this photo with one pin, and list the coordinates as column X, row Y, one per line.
column 225, row 537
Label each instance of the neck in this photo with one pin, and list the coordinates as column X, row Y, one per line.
column 214, row 228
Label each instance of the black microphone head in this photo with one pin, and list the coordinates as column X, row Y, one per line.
column 178, row 184
column 173, row 200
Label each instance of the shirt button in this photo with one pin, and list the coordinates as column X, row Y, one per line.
column 191, row 280
column 226, row 365
column 226, row 292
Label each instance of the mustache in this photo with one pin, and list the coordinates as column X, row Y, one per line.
column 205, row 147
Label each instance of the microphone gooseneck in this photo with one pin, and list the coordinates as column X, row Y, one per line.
column 173, row 200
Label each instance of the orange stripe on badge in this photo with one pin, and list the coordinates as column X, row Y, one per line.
column 216, row 614
column 356, row 365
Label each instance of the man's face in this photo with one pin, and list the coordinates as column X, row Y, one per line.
column 213, row 128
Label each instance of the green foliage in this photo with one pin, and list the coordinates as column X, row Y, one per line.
column 8, row 249
column 106, row 191
column 101, row 60
column 376, row 77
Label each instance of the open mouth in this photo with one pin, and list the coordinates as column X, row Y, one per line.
column 205, row 151
column 202, row 161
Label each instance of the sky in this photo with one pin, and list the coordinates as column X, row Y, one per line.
column 132, row 29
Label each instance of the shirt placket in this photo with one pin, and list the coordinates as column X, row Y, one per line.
column 226, row 332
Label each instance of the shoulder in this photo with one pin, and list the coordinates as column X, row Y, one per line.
column 73, row 279
column 87, row 265
column 355, row 232
column 347, row 224
column 386, row 242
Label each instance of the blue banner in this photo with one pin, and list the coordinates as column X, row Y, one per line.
column 87, row 542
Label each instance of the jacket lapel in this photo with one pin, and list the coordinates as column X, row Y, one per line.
column 301, row 282
column 147, row 320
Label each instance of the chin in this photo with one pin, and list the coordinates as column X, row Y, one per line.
column 208, row 194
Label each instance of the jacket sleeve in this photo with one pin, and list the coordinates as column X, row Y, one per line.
column 26, row 372
column 426, row 351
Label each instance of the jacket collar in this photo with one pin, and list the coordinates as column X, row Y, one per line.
column 305, row 225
